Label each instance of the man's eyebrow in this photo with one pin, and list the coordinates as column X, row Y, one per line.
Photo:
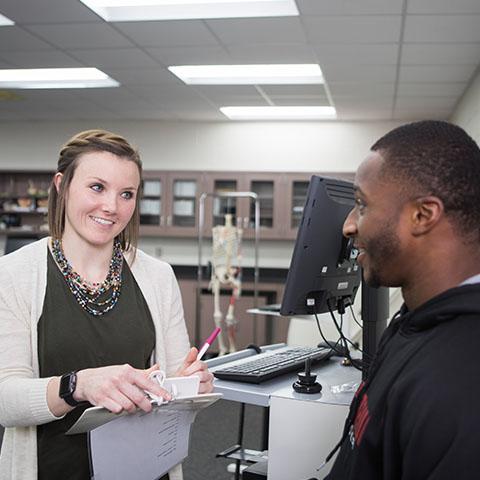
column 101, row 180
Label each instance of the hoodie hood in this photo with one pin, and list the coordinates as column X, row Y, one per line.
column 458, row 301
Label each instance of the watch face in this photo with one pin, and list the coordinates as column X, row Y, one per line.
column 67, row 384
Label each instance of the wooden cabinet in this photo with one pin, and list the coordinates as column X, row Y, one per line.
column 24, row 201
column 169, row 203
column 296, row 186
column 261, row 329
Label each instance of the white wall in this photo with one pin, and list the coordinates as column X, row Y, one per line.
column 300, row 146
column 467, row 113
column 252, row 146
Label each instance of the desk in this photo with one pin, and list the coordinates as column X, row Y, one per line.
column 303, row 428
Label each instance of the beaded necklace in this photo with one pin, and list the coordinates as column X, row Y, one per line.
column 88, row 293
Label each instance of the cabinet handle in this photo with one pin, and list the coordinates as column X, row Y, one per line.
column 169, row 220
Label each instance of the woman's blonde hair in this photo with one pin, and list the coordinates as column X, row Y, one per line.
column 86, row 142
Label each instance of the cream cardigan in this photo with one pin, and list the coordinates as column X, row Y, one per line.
column 23, row 402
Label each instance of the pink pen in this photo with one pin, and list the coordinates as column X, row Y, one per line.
column 208, row 342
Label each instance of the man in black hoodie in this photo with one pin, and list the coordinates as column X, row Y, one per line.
column 416, row 224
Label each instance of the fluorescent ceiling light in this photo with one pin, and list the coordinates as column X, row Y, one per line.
column 144, row 10
column 279, row 113
column 55, row 78
column 4, row 21
column 248, row 74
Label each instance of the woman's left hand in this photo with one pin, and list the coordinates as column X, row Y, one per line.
column 192, row 366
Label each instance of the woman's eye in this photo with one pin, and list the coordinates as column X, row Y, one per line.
column 127, row 195
column 97, row 187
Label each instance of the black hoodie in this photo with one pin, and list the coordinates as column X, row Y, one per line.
column 417, row 416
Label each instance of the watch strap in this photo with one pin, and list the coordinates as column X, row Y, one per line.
column 68, row 384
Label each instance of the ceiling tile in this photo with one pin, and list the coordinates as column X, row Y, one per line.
column 114, row 58
column 357, row 53
column 431, row 89
column 427, row 102
column 13, row 39
column 443, row 6
column 355, row 89
column 300, row 101
column 81, row 35
column 168, row 34
column 360, row 73
column 442, row 28
column 227, row 90
column 436, row 73
column 172, row 96
column 207, row 55
column 258, row 30
column 143, row 76
column 47, row 11
column 294, row 90
column 349, row 7
column 278, row 53
column 352, row 29
column 440, row 53
column 40, row 59
column 422, row 113
column 364, row 113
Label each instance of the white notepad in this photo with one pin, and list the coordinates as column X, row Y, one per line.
column 140, row 445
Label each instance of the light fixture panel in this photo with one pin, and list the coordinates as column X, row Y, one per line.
column 145, row 10
column 275, row 74
column 5, row 22
column 280, row 113
column 36, row 78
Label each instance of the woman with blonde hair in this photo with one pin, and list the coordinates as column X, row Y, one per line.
column 84, row 315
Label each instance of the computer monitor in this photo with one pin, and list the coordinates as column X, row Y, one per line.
column 323, row 274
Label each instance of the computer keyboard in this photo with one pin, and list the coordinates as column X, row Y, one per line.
column 271, row 364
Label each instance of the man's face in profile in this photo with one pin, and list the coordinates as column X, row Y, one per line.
column 375, row 224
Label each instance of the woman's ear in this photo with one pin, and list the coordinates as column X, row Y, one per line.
column 426, row 213
column 57, row 180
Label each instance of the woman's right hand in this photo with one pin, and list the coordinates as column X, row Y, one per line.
column 118, row 388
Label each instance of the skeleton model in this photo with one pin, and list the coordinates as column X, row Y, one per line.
column 226, row 271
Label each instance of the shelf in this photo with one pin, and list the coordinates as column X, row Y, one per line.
column 23, row 212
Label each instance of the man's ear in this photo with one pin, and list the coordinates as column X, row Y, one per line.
column 426, row 213
column 57, row 180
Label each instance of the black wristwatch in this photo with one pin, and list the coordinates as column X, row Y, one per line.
column 68, row 384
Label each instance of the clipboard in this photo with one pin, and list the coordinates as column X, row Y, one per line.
column 141, row 445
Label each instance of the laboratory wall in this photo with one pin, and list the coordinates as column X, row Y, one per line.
column 252, row 146
column 467, row 113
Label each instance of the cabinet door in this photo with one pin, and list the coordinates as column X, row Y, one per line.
column 182, row 203
column 296, row 194
column 268, row 187
column 217, row 207
column 153, row 204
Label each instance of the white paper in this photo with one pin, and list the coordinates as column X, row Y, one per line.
column 141, row 446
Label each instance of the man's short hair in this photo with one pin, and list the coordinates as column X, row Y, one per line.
column 437, row 158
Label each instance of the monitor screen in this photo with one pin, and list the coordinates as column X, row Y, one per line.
column 323, row 271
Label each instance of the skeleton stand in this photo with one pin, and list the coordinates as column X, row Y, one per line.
column 227, row 275
column 226, row 270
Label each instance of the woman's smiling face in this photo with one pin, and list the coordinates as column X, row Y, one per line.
column 101, row 197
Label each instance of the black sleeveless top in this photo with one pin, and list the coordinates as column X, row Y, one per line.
column 70, row 339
